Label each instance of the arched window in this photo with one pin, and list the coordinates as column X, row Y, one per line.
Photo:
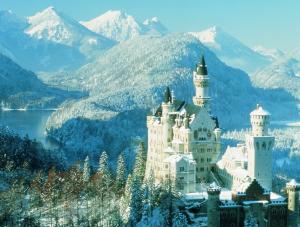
column 264, row 146
column 257, row 145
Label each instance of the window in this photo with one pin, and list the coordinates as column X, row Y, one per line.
column 264, row 146
column 202, row 169
column 181, row 169
column 202, row 159
column 257, row 145
column 166, row 166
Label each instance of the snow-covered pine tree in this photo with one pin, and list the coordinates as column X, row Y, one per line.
column 136, row 201
column 140, row 163
column 121, row 172
column 104, row 170
column 124, row 205
column 86, row 169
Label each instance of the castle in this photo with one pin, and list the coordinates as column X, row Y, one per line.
column 184, row 145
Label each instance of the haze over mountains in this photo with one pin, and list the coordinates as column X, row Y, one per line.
column 125, row 65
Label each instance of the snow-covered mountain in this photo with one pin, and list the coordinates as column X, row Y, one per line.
column 57, row 27
column 153, row 26
column 230, row 50
column 20, row 88
column 32, row 53
column 129, row 79
column 284, row 73
column 271, row 53
column 120, row 26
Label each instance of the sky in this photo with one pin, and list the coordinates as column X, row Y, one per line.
column 270, row 23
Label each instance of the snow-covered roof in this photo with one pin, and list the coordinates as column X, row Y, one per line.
column 293, row 184
column 224, row 195
column 259, row 111
column 178, row 157
column 233, row 161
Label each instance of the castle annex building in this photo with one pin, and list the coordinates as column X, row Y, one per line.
column 184, row 145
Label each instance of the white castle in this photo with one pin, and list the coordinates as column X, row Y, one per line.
column 184, row 146
column 184, row 143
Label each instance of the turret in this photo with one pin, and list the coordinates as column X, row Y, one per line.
column 213, row 209
column 167, row 107
column 217, row 132
column 260, row 119
column 201, row 82
column 259, row 147
column 293, row 189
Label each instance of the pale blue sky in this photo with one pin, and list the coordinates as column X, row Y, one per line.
column 271, row 23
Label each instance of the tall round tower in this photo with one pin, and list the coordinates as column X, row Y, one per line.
column 293, row 189
column 167, row 106
column 259, row 121
column 213, row 209
column 201, row 82
column 259, row 148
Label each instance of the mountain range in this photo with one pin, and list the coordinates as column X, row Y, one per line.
column 231, row 51
column 284, row 73
column 125, row 65
column 120, row 26
column 128, row 80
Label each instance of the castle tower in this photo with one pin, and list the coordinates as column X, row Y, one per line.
column 259, row 146
column 293, row 203
column 201, row 82
column 213, row 209
column 165, row 119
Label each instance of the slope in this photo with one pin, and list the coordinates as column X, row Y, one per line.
column 129, row 79
column 284, row 73
column 20, row 88
column 51, row 25
column 230, row 50
column 120, row 26
column 32, row 53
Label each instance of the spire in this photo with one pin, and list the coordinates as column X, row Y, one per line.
column 167, row 96
column 202, row 68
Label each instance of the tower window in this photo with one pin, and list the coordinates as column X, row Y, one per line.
column 257, row 145
column 181, row 169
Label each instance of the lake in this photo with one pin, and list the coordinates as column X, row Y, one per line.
column 31, row 122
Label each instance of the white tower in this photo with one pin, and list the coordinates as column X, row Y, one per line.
column 293, row 189
column 201, row 82
column 167, row 106
column 259, row 146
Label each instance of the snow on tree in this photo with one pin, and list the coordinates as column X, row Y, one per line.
column 104, row 169
column 121, row 172
column 125, row 200
column 86, row 169
column 140, row 163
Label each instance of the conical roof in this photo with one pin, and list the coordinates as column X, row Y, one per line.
column 167, row 96
column 202, row 68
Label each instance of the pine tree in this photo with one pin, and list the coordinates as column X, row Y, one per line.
column 136, row 201
column 104, row 170
column 124, row 204
column 140, row 163
column 86, row 170
column 121, row 172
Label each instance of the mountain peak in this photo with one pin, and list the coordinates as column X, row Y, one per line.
column 114, row 24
